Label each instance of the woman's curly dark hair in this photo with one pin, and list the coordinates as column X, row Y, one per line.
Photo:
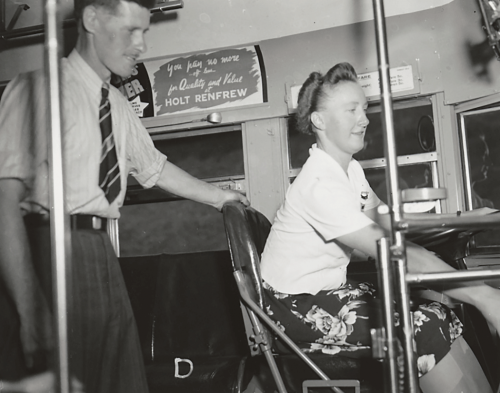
column 314, row 91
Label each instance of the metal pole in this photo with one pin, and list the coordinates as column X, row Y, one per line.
column 437, row 224
column 60, row 236
column 398, row 253
column 406, row 322
column 386, row 291
column 394, row 195
column 453, row 276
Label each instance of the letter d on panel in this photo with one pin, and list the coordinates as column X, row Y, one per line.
column 179, row 360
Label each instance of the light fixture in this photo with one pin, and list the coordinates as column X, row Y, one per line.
column 165, row 6
column 213, row 118
column 20, row 8
column 490, row 10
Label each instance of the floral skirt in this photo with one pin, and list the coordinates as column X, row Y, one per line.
column 339, row 322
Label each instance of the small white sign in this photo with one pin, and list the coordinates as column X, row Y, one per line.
column 401, row 80
column 138, row 106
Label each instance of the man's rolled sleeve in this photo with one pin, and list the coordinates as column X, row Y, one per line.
column 145, row 161
column 18, row 139
column 149, row 176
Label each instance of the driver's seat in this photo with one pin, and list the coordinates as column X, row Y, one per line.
column 247, row 231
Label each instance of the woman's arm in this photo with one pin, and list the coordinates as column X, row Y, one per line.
column 420, row 260
column 380, row 215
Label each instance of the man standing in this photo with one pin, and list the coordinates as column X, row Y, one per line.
column 103, row 142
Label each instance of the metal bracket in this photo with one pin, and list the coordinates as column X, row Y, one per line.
column 335, row 384
column 379, row 346
column 17, row 14
column 260, row 339
column 167, row 5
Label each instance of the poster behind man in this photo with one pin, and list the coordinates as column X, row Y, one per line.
column 137, row 89
column 220, row 79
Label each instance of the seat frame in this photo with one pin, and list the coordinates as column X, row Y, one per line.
column 247, row 231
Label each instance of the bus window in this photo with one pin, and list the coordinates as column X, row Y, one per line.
column 481, row 158
column 153, row 221
column 213, row 155
column 411, row 176
column 406, row 121
column 170, row 227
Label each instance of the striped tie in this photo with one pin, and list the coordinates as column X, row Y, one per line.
column 109, row 172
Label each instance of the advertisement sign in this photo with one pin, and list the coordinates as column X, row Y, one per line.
column 220, row 79
column 137, row 89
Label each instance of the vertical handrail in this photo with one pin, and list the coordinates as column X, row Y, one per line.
column 406, row 322
column 394, row 195
column 386, row 291
column 397, row 249
column 60, row 236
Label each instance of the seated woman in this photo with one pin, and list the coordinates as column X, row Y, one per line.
column 330, row 210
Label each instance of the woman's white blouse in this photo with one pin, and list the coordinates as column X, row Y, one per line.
column 323, row 203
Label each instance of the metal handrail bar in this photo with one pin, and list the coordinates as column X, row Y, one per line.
column 452, row 276
column 60, row 235
column 438, row 224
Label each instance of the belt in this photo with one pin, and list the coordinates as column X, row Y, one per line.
column 77, row 221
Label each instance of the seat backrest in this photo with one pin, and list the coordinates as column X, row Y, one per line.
column 171, row 293
column 247, row 230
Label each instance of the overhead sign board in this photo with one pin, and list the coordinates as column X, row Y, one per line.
column 220, row 79
column 401, row 80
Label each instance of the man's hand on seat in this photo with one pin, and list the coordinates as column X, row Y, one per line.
column 230, row 195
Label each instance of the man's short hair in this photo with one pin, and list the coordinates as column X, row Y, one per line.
column 109, row 4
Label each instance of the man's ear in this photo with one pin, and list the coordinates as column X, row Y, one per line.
column 317, row 120
column 89, row 18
